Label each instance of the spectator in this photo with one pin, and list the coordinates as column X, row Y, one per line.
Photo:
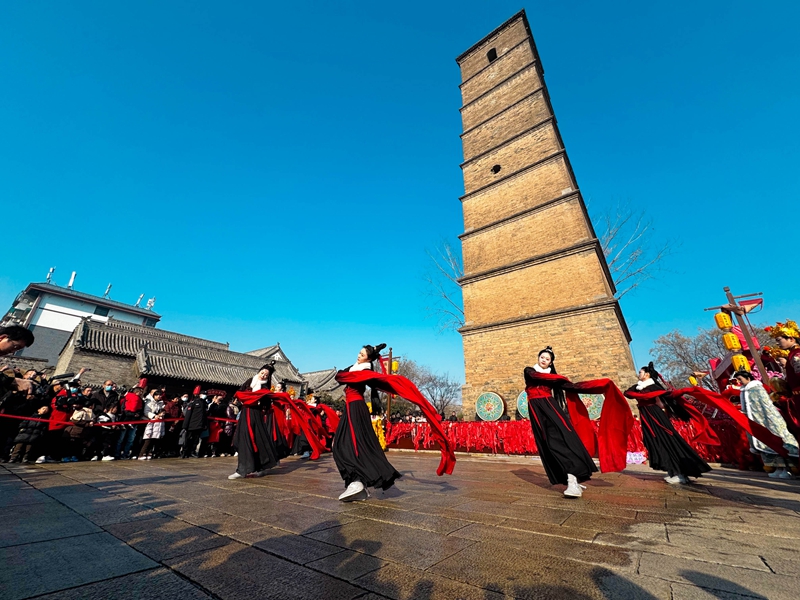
column 75, row 432
column 30, row 437
column 169, row 443
column 106, row 396
column 132, row 410
column 217, row 440
column 194, row 424
column 106, row 438
column 453, row 418
column 153, row 432
column 14, row 338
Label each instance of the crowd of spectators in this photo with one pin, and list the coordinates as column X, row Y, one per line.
column 68, row 421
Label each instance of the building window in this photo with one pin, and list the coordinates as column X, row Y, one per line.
column 492, row 55
column 101, row 311
column 496, row 169
column 148, row 322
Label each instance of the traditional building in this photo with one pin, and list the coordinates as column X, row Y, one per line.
column 323, row 382
column 126, row 352
column 534, row 270
column 53, row 312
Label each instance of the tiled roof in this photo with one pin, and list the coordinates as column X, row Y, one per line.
column 323, row 381
column 265, row 352
column 176, row 355
column 51, row 288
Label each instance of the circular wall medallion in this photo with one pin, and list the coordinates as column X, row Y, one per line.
column 522, row 405
column 594, row 404
column 490, row 406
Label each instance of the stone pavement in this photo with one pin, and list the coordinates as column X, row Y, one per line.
column 496, row 528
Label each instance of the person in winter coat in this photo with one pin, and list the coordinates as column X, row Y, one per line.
column 105, row 439
column 173, row 409
column 132, row 410
column 195, row 422
column 76, row 432
column 30, row 437
column 154, row 431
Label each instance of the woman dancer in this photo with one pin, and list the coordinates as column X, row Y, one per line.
column 356, row 450
column 252, row 439
column 564, row 455
column 758, row 407
column 666, row 449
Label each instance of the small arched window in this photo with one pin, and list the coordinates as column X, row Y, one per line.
column 496, row 169
column 492, row 55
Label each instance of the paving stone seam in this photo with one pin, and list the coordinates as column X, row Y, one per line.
column 74, row 587
column 64, row 537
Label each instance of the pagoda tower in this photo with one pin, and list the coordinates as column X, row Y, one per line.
column 534, row 270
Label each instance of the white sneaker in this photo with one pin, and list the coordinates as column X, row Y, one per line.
column 306, row 455
column 95, row 458
column 235, row 476
column 574, row 489
column 108, row 458
column 353, row 492
column 784, row 474
column 236, row 454
column 40, row 460
column 142, row 458
column 674, row 480
column 775, row 474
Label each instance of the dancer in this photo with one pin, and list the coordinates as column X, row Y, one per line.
column 356, row 450
column 758, row 407
column 253, row 442
column 564, row 456
column 666, row 449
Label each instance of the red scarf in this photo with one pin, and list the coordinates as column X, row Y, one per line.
column 616, row 420
column 400, row 386
column 704, row 435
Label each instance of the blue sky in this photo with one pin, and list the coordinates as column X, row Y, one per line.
column 276, row 171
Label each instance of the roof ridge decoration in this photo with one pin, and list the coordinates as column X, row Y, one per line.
column 56, row 289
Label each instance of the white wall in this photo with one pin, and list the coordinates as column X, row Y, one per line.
column 64, row 314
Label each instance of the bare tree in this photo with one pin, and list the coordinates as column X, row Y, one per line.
column 677, row 356
column 443, row 289
column 442, row 391
column 626, row 238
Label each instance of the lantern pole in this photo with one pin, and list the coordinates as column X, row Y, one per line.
column 737, row 310
column 389, row 401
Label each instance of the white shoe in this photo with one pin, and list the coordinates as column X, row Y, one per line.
column 236, row 454
column 674, row 480
column 95, row 458
column 574, row 489
column 775, row 474
column 784, row 474
column 306, row 455
column 108, row 458
column 142, row 458
column 353, row 491
column 235, row 476
column 40, row 460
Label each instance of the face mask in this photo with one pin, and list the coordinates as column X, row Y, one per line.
column 203, row 396
column 73, row 390
column 185, row 398
column 109, row 388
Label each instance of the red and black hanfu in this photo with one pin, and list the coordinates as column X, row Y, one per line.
column 564, row 434
column 356, row 450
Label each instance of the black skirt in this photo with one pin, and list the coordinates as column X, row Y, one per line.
column 277, row 437
column 666, row 449
column 560, row 448
column 365, row 461
column 262, row 455
column 300, row 444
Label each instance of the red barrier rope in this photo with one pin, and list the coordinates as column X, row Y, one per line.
column 115, row 423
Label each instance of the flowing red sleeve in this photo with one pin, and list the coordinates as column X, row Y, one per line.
column 610, row 444
column 719, row 402
column 399, row 385
column 616, row 421
column 284, row 400
column 703, row 432
column 333, row 418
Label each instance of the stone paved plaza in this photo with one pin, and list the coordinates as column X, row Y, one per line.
column 496, row 528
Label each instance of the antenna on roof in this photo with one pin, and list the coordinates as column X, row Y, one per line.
column 150, row 303
column 108, row 289
column 71, row 280
column 139, row 300
column 50, row 274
